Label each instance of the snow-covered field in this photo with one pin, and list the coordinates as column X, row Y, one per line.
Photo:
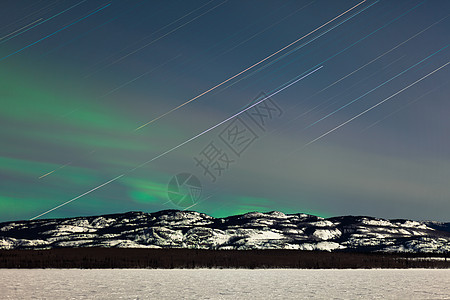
column 224, row 284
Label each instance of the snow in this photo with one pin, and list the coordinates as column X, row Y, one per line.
column 265, row 235
column 102, row 222
column 82, row 227
column 293, row 231
column 8, row 227
column 7, row 243
column 413, row 224
column 73, row 243
column 224, row 284
column 423, row 245
column 328, row 246
column 377, row 222
column 327, row 234
column 324, row 223
column 277, row 214
column 324, row 246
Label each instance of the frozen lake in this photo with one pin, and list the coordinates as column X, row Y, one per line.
column 224, row 284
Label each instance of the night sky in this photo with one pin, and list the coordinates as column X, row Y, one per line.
column 340, row 107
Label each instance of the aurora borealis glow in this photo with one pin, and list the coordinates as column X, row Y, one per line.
column 76, row 83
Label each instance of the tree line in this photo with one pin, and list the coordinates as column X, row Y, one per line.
column 194, row 258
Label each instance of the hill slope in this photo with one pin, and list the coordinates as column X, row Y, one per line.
column 187, row 229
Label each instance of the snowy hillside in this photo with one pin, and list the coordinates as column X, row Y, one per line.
column 273, row 230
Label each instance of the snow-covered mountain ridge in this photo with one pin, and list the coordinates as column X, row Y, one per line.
column 188, row 229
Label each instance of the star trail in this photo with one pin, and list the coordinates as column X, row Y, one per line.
column 316, row 106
